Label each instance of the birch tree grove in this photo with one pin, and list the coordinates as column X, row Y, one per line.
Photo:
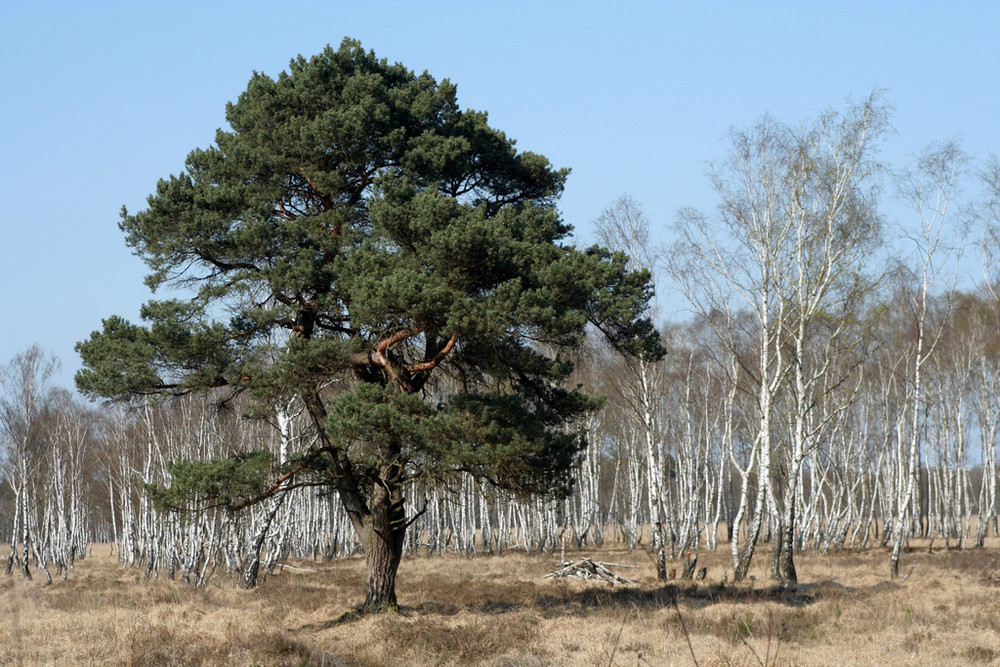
column 24, row 382
column 47, row 440
column 419, row 362
column 853, row 479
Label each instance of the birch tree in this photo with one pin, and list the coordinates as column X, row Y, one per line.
column 833, row 179
column 928, row 188
column 623, row 226
column 795, row 224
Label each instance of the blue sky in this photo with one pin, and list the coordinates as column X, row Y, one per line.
column 98, row 100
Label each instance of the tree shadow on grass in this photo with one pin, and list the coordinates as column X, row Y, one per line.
column 664, row 597
column 601, row 598
column 553, row 602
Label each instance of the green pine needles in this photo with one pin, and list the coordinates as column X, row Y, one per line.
column 229, row 483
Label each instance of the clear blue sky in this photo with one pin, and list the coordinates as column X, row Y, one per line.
column 100, row 99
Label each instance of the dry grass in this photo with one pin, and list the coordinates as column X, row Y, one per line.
column 482, row 611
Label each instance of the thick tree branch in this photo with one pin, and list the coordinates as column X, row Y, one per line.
column 380, row 357
column 438, row 358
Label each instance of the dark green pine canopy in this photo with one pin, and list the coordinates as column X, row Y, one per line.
column 358, row 240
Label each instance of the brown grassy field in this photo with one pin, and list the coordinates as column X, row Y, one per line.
column 484, row 611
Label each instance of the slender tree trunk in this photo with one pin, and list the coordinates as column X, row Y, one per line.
column 785, row 545
column 742, row 566
column 14, row 535
column 251, row 566
column 25, row 542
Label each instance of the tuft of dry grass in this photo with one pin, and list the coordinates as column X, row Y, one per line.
column 485, row 611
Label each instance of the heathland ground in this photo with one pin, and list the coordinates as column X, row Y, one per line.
column 494, row 610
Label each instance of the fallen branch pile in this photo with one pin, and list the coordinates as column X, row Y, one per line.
column 587, row 568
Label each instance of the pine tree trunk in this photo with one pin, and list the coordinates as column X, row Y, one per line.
column 379, row 519
column 382, row 560
column 382, row 531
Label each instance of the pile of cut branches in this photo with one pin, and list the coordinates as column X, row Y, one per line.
column 587, row 568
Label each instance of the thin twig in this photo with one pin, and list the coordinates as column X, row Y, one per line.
column 614, row 648
column 747, row 644
column 685, row 630
column 768, row 658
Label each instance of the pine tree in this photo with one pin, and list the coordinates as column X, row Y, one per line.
column 394, row 262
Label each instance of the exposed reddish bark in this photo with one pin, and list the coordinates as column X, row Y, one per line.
column 438, row 358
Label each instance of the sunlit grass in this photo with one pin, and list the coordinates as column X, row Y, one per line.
column 485, row 611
